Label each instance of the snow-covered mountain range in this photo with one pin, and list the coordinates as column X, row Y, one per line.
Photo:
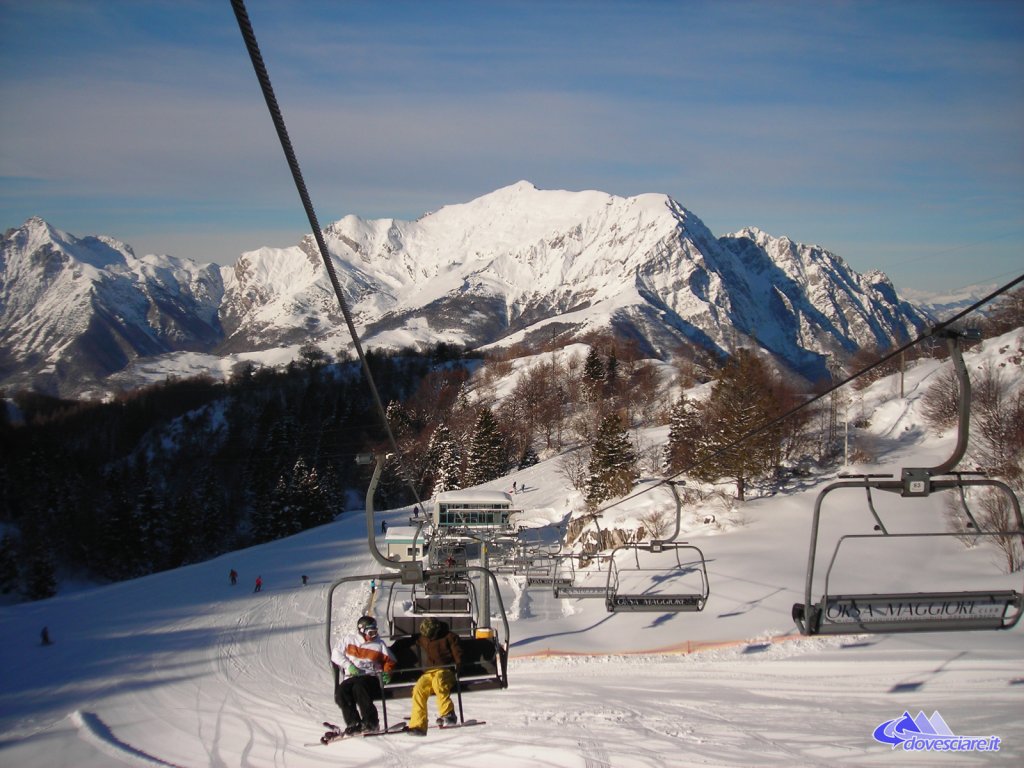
column 518, row 265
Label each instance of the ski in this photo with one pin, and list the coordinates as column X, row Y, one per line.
column 463, row 724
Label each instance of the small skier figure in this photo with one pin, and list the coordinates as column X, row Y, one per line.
column 373, row 585
column 383, row 526
column 416, row 511
column 259, row 584
column 305, row 579
column 514, row 487
column 45, row 636
column 233, row 576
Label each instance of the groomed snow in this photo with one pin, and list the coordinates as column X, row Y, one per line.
column 182, row 669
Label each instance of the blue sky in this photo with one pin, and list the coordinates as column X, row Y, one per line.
column 891, row 133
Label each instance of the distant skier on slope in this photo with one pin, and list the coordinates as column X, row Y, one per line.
column 356, row 659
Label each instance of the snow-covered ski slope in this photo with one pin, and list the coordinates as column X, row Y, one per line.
column 182, row 669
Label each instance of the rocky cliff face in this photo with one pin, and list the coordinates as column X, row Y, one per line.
column 74, row 310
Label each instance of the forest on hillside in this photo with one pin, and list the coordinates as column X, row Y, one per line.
column 188, row 469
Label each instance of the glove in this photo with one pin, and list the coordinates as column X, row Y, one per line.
column 352, row 671
column 385, row 677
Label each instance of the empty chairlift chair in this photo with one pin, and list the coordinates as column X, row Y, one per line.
column 659, row 581
column 574, row 580
column 914, row 539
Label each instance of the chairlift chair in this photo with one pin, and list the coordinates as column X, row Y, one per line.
column 583, row 583
column 915, row 611
column 484, row 646
column 541, row 571
column 623, row 597
column 901, row 610
column 434, row 604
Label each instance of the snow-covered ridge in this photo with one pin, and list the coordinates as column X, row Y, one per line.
column 517, row 265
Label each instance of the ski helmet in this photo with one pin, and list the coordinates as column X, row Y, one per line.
column 366, row 625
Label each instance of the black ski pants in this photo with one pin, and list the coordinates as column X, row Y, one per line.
column 355, row 695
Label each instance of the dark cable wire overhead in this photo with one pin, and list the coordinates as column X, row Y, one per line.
column 245, row 26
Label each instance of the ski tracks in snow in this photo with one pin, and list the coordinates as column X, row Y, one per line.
column 594, row 753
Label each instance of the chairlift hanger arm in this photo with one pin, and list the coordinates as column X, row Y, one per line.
column 917, row 481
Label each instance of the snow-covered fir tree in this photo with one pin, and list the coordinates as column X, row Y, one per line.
column 613, row 462
column 528, row 459
column 311, row 497
column 40, row 578
column 611, row 373
column 593, row 375
column 444, row 462
column 297, row 502
column 488, row 459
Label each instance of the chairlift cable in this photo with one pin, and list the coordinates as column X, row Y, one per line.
column 249, row 36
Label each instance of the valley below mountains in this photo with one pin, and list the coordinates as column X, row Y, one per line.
column 85, row 316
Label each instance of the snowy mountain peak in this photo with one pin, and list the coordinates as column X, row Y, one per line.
column 75, row 310
column 37, row 236
column 517, row 265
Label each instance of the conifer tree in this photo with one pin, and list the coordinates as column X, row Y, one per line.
column 741, row 403
column 8, row 564
column 310, row 497
column 528, row 459
column 685, row 436
column 611, row 374
column 121, row 543
column 282, row 511
column 149, row 516
column 488, row 458
column 297, row 502
column 593, row 375
column 444, row 464
column 40, row 579
column 613, row 462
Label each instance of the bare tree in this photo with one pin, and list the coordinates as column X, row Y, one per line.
column 657, row 524
column 998, row 426
column 939, row 405
column 1007, row 314
column 995, row 514
column 574, row 467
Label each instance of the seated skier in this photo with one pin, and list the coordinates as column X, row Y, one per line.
column 357, row 658
column 438, row 647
